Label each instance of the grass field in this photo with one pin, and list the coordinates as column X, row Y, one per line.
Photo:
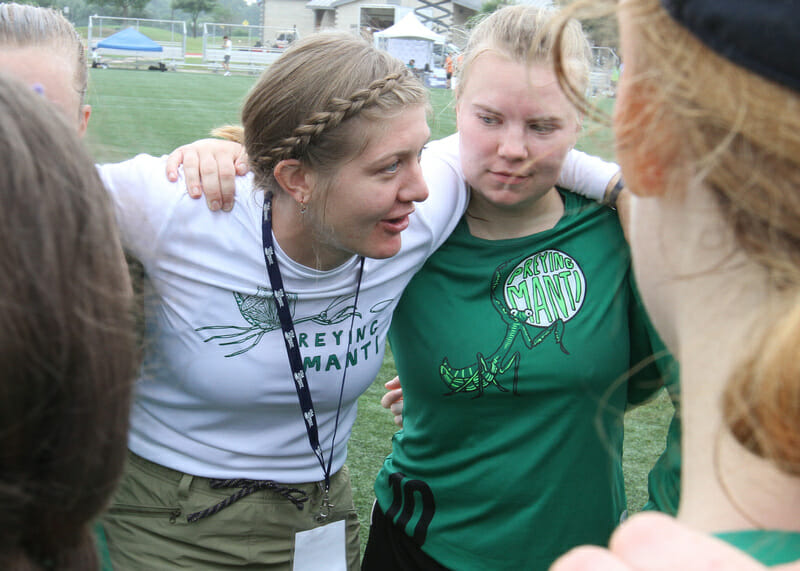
column 153, row 112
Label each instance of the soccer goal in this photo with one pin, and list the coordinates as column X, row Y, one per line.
column 136, row 41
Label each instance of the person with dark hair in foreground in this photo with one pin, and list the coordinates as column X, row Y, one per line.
column 67, row 352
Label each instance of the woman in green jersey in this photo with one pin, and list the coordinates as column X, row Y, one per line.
column 515, row 340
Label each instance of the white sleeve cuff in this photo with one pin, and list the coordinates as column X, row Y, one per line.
column 586, row 175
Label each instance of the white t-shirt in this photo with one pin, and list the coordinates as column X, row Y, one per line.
column 216, row 397
column 227, row 407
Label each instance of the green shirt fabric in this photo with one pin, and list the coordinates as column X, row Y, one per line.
column 664, row 480
column 102, row 547
column 770, row 547
column 514, row 356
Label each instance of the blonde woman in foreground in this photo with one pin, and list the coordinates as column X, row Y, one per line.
column 708, row 137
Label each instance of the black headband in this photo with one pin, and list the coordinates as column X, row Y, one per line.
column 760, row 35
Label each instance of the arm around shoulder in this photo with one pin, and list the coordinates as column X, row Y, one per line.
column 448, row 192
column 587, row 175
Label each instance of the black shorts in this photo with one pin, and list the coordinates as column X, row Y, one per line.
column 390, row 549
column 227, row 59
column 449, row 74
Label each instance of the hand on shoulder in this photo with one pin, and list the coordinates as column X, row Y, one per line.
column 210, row 167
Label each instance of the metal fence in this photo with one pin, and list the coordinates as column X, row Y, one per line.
column 254, row 47
column 169, row 34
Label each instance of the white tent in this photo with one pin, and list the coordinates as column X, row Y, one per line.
column 408, row 39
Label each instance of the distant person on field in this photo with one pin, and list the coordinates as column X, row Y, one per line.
column 227, row 49
column 96, row 61
column 448, row 68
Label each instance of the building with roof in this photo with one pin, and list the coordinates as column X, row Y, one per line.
column 463, row 10
column 447, row 17
column 365, row 16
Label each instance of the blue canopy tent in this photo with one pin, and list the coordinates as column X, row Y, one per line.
column 129, row 46
column 131, row 40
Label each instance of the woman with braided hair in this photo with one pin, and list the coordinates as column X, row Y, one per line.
column 264, row 326
column 210, row 400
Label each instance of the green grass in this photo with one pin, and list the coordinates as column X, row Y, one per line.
column 645, row 436
column 597, row 138
column 135, row 111
column 153, row 112
column 443, row 119
column 370, row 443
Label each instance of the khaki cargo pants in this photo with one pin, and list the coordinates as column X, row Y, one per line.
column 147, row 529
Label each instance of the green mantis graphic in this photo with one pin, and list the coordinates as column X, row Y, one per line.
column 260, row 312
column 485, row 372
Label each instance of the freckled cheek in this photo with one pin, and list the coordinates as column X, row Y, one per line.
column 478, row 153
column 546, row 160
column 377, row 204
column 471, row 169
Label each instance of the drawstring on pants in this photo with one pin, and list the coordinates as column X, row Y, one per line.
column 247, row 487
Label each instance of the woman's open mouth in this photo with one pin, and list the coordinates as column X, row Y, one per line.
column 397, row 224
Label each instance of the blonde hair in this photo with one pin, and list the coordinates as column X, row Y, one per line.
column 738, row 134
column 23, row 26
column 526, row 34
column 303, row 107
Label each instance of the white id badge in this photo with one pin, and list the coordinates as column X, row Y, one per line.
column 321, row 548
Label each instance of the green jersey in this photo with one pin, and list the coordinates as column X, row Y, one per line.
column 664, row 480
column 770, row 547
column 514, row 358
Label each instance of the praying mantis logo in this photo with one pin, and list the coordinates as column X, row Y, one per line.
column 260, row 312
column 538, row 296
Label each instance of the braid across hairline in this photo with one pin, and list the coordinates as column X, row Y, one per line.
column 338, row 110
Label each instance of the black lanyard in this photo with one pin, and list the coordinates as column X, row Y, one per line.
column 293, row 351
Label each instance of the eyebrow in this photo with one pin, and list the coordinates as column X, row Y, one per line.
column 399, row 153
column 547, row 118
